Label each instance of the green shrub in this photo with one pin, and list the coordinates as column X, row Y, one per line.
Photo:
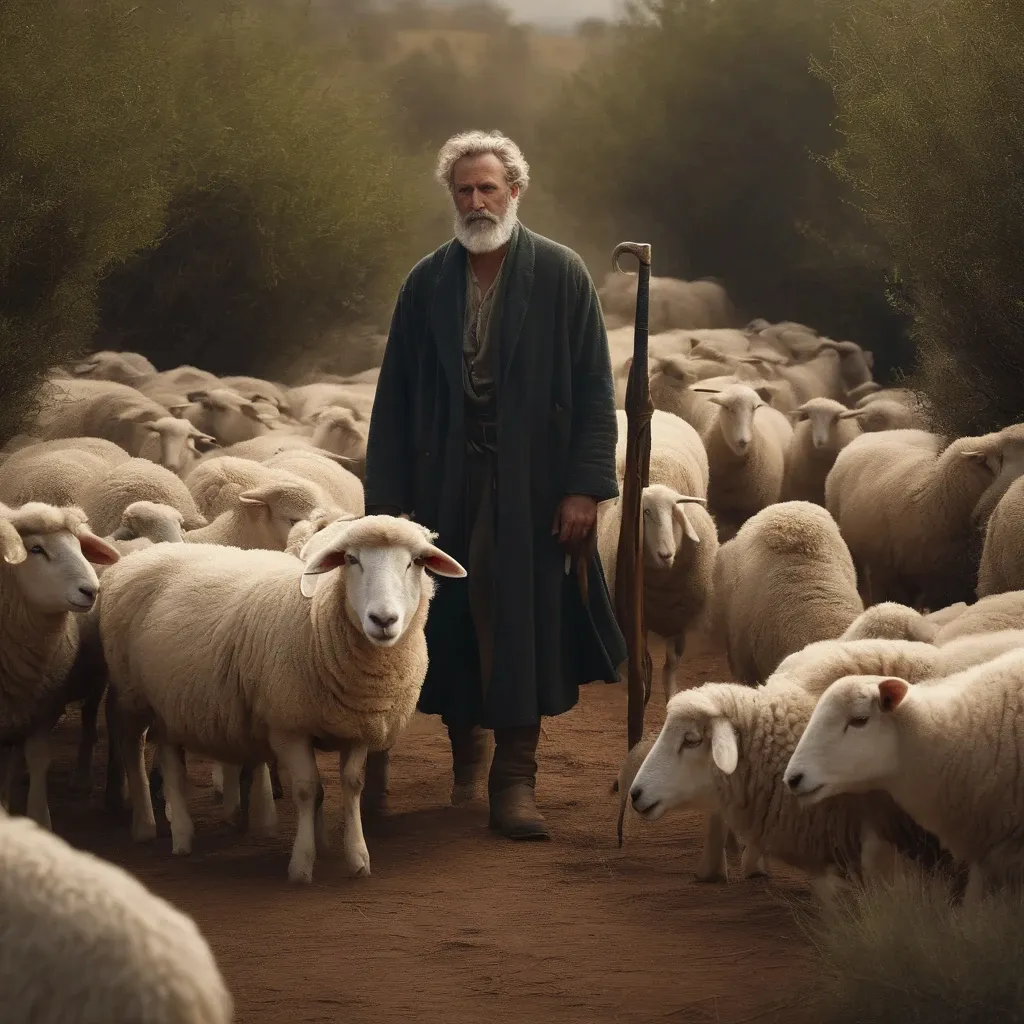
column 903, row 954
column 83, row 179
column 929, row 97
column 289, row 201
column 695, row 126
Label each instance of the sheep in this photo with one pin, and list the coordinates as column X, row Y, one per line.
column 879, row 732
column 256, row 390
column 285, row 663
column 1002, row 554
column 57, row 472
column 627, row 773
column 343, row 489
column 138, row 480
column 149, row 520
column 101, row 408
column 46, row 581
column 306, row 399
column 263, row 516
column 785, row 580
column 338, row 431
column 723, row 750
column 82, row 941
column 216, row 484
column 991, row 614
column 175, row 444
column 877, row 413
column 678, row 458
column 672, row 303
column 122, row 367
column 869, row 387
column 260, row 448
column 224, row 415
column 854, row 365
column 746, row 442
column 891, row 621
column 903, row 501
column 819, row 436
column 671, row 387
column 818, row 377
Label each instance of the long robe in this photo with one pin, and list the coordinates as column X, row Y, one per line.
column 556, row 435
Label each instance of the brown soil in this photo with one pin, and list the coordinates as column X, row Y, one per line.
column 457, row 925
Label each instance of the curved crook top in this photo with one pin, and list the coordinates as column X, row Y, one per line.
column 641, row 250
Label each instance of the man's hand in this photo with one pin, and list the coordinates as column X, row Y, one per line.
column 574, row 520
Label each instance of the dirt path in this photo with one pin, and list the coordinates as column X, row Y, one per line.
column 458, row 926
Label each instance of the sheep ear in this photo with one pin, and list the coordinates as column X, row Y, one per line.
column 724, row 751
column 891, row 692
column 681, row 517
column 11, row 545
column 177, row 410
column 851, row 414
column 765, row 393
column 258, row 495
column 96, row 549
column 438, row 562
column 325, row 561
column 200, row 398
column 204, row 443
column 249, row 410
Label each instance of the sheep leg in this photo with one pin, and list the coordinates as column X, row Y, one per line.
column 320, row 836
column 133, row 751
column 217, row 778
column 172, row 763
column 295, row 754
column 263, row 813
column 352, row 765
column 81, row 781
column 232, row 789
column 752, row 862
column 713, row 866
column 275, row 780
column 37, row 756
column 673, row 652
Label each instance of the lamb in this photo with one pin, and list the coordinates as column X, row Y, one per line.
column 100, row 408
column 785, row 580
column 46, row 580
column 1002, row 554
column 57, row 472
column 284, row 663
column 991, row 614
column 879, row 732
column 723, row 749
column 819, row 436
column 224, row 415
column 343, row 489
column 903, row 501
column 138, row 480
column 82, row 941
column 746, row 442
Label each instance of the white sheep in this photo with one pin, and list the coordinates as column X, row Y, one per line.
column 225, row 415
column 137, row 480
column 819, row 436
column 283, row 663
column 678, row 459
column 343, row 489
column 82, row 941
column 991, row 614
column 46, row 582
column 123, row 367
column 785, row 580
column 746, row 442
column 149, row 520
column 57, row 472
column 949, row 754
column 1002, row 555
column 175, row 444
column 891, row 621
column 877, row 412
column 903, row 500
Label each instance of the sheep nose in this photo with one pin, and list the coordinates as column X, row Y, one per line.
column 636, row 794
column 665, row 556
column 383, row 621
column 89, row 592
column 794, row 780
column 742, row 444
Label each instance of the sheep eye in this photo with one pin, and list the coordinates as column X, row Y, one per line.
column 859, row 722
column 351, row 560
column 647, row 512
column 36, row 549
column 689, row 741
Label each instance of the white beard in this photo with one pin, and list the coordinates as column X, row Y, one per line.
column 485, row 232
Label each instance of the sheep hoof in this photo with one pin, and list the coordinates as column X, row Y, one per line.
column 358, row 863
column 182, row 847
column 144, row 831
column 300, row 870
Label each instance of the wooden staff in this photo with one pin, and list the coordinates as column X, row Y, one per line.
column 629, row 565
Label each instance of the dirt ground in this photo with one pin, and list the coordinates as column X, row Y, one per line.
column 457, row 925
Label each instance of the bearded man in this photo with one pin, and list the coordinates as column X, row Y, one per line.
column 494, row 424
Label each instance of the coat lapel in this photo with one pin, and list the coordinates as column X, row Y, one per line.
column 518, row 289
column 447, row 312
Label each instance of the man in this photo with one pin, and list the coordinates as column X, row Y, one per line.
column 494, row 424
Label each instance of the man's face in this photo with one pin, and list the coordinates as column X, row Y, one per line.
column 479, row 188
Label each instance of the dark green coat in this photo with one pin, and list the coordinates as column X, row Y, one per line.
column 556, row 436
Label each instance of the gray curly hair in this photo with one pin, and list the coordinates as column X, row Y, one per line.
column 476, row 143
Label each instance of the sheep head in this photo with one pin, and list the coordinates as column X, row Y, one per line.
column 824, row 415
column 850, row 742
column 665, row 524
column 738, row 404
column 384, row 561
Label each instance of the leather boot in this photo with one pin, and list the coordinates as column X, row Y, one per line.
column 470, row 749
column 374, row 798
column 511, row 783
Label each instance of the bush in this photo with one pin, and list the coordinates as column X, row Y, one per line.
column 929, row 97
column 904, row 955
column 695, row 126
column 83, row 176
column 289, row 202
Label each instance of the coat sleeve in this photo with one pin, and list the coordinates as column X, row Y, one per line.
column 390, row 462
column 594, row 432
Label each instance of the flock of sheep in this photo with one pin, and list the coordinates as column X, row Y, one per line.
column 191, row 552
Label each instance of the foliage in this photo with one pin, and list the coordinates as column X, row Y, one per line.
column 697, row 128
column 930, row 98
column 903, row 954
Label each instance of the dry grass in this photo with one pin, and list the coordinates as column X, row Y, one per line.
column 904, row 954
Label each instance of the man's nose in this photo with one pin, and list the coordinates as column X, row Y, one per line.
column 477, row 200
